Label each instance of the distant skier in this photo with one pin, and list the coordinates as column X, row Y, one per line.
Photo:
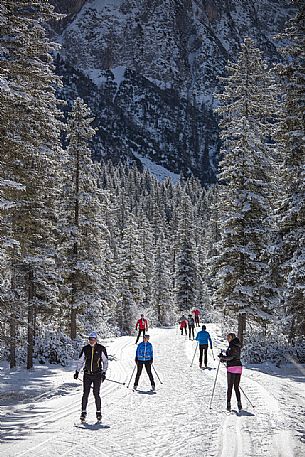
column 234, row 368
column 94, row 358
column 142, row 325
column 183, row 324
column 144, row 357
column 196, row 313
column 191, row 325
column 203, row 338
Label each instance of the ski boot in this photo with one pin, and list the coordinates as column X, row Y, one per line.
column 229, row 407
column 153, row 388
column 134, row 388
column 239, row 406
column 98, row 416
column 83, row 416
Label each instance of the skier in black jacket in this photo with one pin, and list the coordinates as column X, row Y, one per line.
column 234, row 368
column 93, row 357
column 191, row 324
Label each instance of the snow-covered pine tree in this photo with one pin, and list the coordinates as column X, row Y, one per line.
column 131, row 274
column 30, row 134
column 148, row 248
column 186, row 257
column 163, row 296
column 153, row 209
column 243, row 207
column 291, row 177
column 82, row 223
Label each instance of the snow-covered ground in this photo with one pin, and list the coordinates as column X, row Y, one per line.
column 39, row 409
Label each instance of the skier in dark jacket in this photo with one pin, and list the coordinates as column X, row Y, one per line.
column 93, row 357
column 203, row 338
column 191, row 324
column 234, row 368
column 144, row 357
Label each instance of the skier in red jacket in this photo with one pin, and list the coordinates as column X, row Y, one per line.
column 142, row 325
column 196, row 313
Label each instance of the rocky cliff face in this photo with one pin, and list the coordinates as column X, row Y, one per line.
column 149, row 70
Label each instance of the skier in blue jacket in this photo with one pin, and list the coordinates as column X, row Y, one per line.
column 203, row 338
column 144, row 357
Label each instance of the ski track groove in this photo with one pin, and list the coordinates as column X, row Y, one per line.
column 164, row 420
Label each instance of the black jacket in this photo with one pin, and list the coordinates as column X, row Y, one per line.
column 95, row 358
column 232, row 356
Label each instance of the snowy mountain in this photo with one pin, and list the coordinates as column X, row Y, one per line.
column 149, row 70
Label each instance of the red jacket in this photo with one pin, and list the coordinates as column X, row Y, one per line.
column 142, row 324
column 196, row 312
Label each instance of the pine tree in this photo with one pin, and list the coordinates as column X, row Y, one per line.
column 30, row 136
column 291, row 204
column 163, row 297
column 131, row 272
column 82, row 222
column 148, row 248
column 243, row 205
column 186, row 260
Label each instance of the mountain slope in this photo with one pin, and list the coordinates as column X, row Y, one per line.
column 155, row 65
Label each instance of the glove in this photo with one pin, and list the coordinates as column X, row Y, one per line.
column 103, row 376
column 220, row 355
column 75, row 376
column 151, row 361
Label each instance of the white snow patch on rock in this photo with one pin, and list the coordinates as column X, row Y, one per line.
column 118, row 73
column 158, row 171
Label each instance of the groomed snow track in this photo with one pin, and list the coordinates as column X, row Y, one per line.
column 176, row 421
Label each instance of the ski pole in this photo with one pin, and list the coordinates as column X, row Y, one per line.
column 213, row 353
column 131, row 376
column 194, row 354
column 157, row 374
column 214, row 385
column 117, row 382
column 247, row 397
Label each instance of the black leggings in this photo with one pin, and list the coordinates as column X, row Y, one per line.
column 197, row 320
column 191, row 331
column 233, row 380
column 182, row 330
column 96, row 380
column 139, row 334
column 203, row 347
column 148, row 370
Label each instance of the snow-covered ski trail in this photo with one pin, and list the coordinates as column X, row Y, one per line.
column 175, row 421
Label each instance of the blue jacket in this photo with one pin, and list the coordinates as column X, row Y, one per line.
column 144, row 352
column 204, row 338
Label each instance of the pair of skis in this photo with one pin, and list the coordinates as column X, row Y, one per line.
column 151, row 390
column 234, row 412
column 84, row 424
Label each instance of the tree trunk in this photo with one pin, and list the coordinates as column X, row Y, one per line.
column 30, row 321
column 174, row 269
column 73, row 323
column 241, row 327
column 12, row 341
column 13, row 320
column 75, row 249
column 159, row 314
